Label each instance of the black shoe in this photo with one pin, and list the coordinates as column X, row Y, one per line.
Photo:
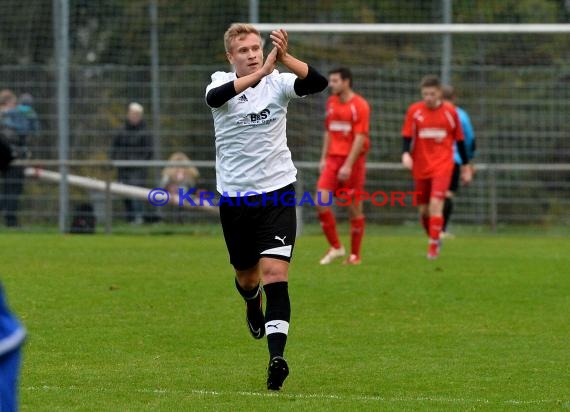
column 277, row 371
column 254, row 317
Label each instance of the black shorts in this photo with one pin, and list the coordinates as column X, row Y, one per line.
column 454, row 184
column 265, row 226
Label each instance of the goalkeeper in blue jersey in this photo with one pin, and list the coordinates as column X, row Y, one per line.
column 12, row 335
column 469, row 138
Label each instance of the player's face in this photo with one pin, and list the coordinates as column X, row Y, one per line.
column 246, row 54
column 431, row 96
column 336, row 84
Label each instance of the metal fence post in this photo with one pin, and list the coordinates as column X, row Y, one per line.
column 253, row 11
column 446, row 51
column 155, row 82
column 493, row 209
column 61, row 35
column 108, row 204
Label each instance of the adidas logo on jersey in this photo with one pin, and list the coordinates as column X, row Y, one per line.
column 242, row 98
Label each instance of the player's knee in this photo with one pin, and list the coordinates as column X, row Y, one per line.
column 321, row 208
column 436, row 206
column 355, row 211
column 274, row 271
column 249, row 278
column 323, row 199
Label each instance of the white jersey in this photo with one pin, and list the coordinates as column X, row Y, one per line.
column 251, row 141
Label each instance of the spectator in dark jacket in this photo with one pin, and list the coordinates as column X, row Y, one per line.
column 133, row 142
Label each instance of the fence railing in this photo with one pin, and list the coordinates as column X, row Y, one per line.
column 500, row 193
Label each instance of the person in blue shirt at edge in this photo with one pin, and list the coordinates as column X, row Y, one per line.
column 25, row 106
column 12, row 336
column 18, row 126
column 469, row 135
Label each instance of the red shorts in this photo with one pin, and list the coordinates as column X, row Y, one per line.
column 329, row 180
column 432, row 187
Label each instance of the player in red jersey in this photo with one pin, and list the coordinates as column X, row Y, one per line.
column 430, row 129
column 345, row 145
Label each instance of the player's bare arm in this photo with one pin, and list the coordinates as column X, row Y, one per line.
column 218, row 96
column 407, row 160
column 355, row 151
column 242, row 83
column 245, row 53
column 466, row 174
column 279, row 39
column 309, row 80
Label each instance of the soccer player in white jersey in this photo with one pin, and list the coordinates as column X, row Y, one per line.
column 255, row 175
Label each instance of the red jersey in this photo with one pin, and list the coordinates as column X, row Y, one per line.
column 434, row 132
column 343, row 121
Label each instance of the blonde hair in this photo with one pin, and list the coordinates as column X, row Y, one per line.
column 180, row 174
column 236, row 30
column 178, row 157
column 7, row 96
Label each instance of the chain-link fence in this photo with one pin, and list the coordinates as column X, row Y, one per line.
column 516, row 88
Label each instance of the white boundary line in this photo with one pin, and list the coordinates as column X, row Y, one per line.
column 322, row 396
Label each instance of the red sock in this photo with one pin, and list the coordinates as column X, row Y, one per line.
column 425, row 223
column 356, row 234
column 328, row 223
column 435, row 226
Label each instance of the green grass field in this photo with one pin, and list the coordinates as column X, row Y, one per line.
column 131, row 323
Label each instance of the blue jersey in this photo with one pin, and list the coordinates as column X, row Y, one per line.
column 469, row 136
column 32, row 117
column 15, row 120
column 12, row 333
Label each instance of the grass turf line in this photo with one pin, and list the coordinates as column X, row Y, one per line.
column 153, row 323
